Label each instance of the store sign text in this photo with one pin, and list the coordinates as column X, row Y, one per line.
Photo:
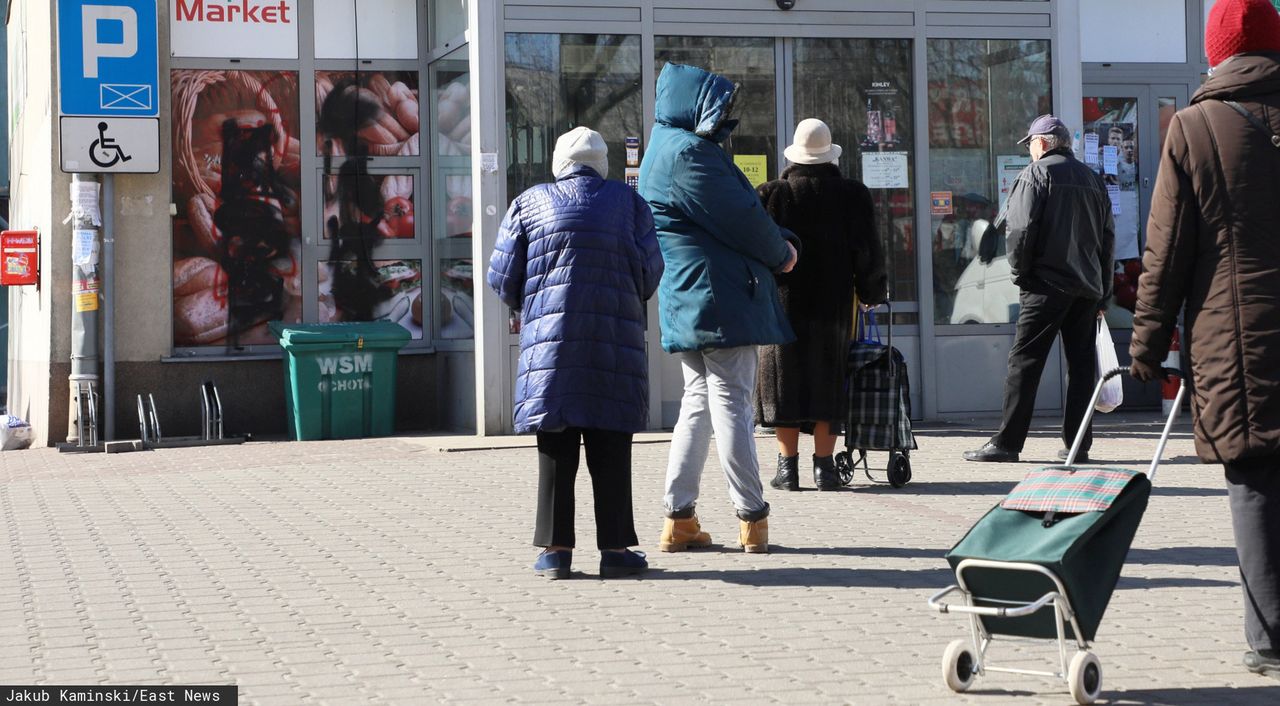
column 196, row 11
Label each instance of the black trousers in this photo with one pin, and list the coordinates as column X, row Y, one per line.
column 1253, row 487
column 609, row 462
column 1043, row 315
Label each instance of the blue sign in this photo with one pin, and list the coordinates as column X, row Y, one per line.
column 108, row 58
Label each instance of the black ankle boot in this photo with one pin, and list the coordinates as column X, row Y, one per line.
column 825, row 475
column 788, row 477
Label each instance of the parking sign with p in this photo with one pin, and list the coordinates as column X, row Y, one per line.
column 108, row 58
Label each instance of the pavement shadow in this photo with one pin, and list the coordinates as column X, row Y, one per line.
column 870, row 552
column 1213, row 695
column 1182, row 556
column 935, row 579
column 1128, row 583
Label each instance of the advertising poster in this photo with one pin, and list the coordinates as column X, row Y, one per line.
column 371, row 113
column 940, row 203
column 372, row 290
column 236, row 176
column 754, row 166
column 384, row 200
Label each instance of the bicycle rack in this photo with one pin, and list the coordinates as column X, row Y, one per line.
column 212, row 429
column 86, row 409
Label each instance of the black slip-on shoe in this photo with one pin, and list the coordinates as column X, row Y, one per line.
column 990, row 453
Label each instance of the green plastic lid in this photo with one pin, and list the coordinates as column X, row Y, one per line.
column 358, row 333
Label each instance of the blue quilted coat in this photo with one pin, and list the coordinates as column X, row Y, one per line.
column 578, row 258
column 720, row 246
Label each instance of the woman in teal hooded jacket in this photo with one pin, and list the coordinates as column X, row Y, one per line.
column 717, row 300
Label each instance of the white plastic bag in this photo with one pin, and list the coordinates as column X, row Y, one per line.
column 1112, row 390
column 15, row 433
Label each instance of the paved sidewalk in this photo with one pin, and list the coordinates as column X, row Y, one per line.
column 387, row 571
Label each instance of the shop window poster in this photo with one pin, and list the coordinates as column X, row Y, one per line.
column 367, row 113
column 457, row 308
column 236, row 177
column 384, row 200
column 361, row 289
column 1110, row 145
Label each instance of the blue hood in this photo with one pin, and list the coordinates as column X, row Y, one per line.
column 699, row 101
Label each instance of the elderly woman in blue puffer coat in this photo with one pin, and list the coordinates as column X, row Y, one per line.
column 578, row 258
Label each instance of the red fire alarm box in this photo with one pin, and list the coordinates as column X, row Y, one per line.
column 19, row 257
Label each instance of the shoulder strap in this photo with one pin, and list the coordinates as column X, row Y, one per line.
column 1247, row 115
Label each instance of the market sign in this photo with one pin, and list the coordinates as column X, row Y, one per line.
column 234, row 29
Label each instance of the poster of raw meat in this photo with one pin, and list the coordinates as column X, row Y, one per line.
column 236, row 236
column 367, row 113
column 372, row 290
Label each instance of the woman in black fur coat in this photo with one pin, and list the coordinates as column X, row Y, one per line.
column 800, row 385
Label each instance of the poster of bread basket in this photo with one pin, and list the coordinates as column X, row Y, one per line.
column 236, row 177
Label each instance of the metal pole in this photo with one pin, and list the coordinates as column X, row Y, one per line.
column 84, row 297
column 108, row 307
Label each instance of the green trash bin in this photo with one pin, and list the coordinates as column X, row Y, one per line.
column 340, row 379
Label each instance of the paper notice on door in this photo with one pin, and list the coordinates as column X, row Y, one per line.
column 1008, row 167
column 1091, row 149
column 1110, row 159
column 754, row 166
column 1113, row 190
column 884, row 170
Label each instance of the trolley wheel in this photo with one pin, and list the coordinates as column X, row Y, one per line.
column 958, row 666
column 1085, row 677
column 844, row 467
column 899, row 470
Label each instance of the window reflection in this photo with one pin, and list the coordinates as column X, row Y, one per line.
column 1110, row 146
column 556, row 82
column 862, row 89
column 982, row 96
column 748, row 62
column 450, row 86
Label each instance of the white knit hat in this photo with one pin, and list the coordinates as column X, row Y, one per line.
column 812, row 144
column 581, row 145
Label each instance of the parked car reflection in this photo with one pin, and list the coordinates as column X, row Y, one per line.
column 985, row 292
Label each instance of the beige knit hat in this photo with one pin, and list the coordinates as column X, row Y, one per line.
column 581, row 145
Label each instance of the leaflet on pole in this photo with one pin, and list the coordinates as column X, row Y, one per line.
column 110, row 145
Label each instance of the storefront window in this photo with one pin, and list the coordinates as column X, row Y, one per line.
column 237, row 249
column 556, row 82
column 862, row 89
column 451, row 195
column 982, row 96
column 1110, row 145
column 749, row 62
column 448, row 20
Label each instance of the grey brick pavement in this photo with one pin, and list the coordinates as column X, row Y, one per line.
column 387, row 571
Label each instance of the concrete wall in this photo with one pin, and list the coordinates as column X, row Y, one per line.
column 37, row 334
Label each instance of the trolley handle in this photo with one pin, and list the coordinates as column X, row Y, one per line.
column 1016, row 611
column 1168, row 425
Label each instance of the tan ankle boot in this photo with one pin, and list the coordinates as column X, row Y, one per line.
column 754, row 536
column 681, row 534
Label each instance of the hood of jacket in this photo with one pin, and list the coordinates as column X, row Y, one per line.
column 696, row 100
column 1242, row 76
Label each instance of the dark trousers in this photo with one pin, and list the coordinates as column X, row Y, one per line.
column 609, row 462
column 1042, row 317
column 1253, row 487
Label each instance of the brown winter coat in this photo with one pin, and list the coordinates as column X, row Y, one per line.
column 835, row 221
column 1213, row 243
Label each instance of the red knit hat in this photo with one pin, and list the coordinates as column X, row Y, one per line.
column 1239, row 26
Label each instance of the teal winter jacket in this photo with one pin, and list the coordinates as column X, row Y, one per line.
column 719, row 246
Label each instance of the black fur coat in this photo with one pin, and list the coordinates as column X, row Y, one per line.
column 834, row 218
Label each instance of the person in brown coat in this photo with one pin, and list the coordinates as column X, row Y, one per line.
column 1213, row 246
column 800, row 385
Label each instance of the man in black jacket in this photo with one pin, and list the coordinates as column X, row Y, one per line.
column 1061, row 241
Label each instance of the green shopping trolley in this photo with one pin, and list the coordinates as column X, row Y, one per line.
column 1045, row 561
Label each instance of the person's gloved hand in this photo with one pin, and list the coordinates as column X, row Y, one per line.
column 1143, row 371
